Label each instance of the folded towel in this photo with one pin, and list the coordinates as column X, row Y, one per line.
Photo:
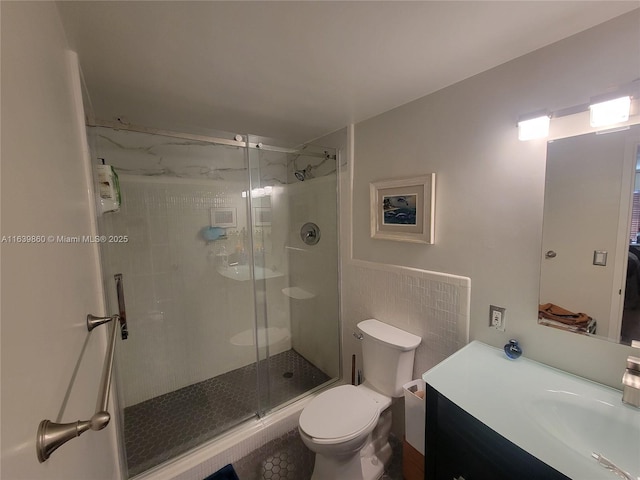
column 559, row 314
column 213, row 233
column 225, row 473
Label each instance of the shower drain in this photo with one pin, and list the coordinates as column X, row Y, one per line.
column 287, row 374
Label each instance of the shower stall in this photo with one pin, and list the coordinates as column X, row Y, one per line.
column 228, row 250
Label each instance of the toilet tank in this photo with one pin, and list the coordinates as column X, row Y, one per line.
column 387, row 356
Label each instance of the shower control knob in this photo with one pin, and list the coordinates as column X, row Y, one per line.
column 310, row 233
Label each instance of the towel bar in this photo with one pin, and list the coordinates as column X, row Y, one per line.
column 52, row 435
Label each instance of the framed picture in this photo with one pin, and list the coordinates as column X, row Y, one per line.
column 262, row 216
column 402, row 209
column 223, row 217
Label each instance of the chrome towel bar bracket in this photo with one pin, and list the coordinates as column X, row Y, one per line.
column 93, row 321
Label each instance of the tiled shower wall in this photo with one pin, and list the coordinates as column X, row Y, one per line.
column 432, row 305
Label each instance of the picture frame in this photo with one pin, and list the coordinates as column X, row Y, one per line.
column 403, row 209
column 262, row 216
column 224, row 217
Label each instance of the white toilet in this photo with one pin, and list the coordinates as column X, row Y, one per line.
column 348, row 427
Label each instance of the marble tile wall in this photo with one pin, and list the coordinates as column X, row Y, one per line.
column 136, row 153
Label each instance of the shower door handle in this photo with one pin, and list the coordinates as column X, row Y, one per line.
column 121, row 317
column 122, row 311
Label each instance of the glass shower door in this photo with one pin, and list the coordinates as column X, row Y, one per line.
column 188, row 370
column 296, row 282
column 231, row 313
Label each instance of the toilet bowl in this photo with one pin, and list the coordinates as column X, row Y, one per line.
column 347, row 427
column 337, row 426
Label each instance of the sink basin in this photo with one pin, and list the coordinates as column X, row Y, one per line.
column 559, row 418
column 585, row 425
column 242, row 273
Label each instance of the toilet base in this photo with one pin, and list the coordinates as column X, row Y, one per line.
column 366, row 464
column 372, row 468
column 357, row 467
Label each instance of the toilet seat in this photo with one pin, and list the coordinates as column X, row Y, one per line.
column 339, row 415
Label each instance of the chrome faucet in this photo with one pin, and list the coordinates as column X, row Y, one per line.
column 631, row 382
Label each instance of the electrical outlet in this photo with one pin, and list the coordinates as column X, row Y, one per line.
column 497, row 317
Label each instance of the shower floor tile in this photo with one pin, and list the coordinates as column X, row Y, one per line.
column 163, row 427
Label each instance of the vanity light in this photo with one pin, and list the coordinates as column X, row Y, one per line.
column 531, row 128
column 610, row 112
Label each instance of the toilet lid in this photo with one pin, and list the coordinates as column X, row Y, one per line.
column 337, row 413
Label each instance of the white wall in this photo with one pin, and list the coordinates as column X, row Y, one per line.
column 490, row 186
column 47, row 289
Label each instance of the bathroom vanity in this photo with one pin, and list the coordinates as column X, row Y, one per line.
column 460, row 446
column 491, row 417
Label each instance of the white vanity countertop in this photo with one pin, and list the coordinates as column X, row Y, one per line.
column 518, row 399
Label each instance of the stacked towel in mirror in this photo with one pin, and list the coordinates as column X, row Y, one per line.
column 551, row 311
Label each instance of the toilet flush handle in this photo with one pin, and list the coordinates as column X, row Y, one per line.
column 358, row 335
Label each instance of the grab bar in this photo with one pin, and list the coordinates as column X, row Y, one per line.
column 53, row 435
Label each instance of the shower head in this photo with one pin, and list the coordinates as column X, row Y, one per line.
column 303, row 174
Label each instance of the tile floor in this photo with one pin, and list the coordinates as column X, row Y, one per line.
column 163, row 427
column 286, row 458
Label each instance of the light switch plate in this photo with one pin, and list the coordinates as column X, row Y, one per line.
column 600, row 257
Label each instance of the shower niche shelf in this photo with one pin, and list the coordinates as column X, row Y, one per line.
column 266, row 336
column 242, row 273
column 297, row 293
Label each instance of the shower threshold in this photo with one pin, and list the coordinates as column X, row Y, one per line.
column 169, row 425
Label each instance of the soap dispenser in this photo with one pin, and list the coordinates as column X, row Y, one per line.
column 512, row 349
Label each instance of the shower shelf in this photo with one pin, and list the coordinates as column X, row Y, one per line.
column 242, row 273
column 269, row 335
column 297, row 293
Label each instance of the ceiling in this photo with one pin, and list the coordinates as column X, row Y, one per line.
column 298, row 70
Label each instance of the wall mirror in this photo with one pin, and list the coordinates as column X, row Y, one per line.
column 590, row 262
